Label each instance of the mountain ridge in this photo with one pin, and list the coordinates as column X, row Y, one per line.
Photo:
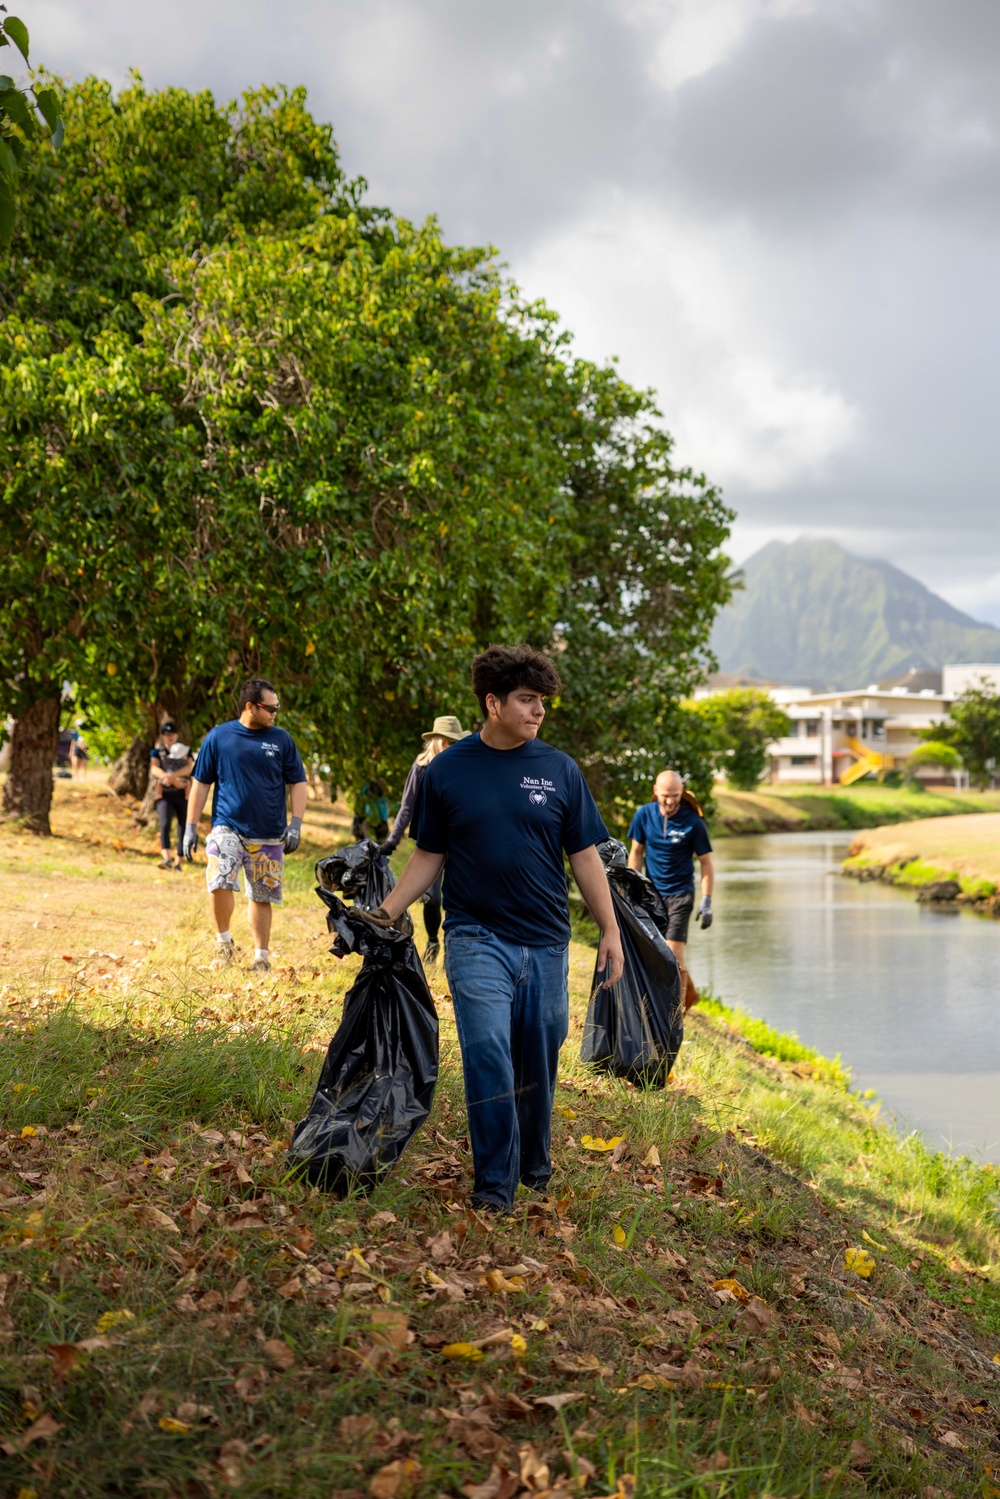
column 812, row 614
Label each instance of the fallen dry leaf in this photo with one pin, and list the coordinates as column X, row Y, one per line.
column 952, row 1439
column 462, row 1350
column 556, row 1402
column 754, row 1318
column 64, row 1357
column 355, row 1428
column 398, row 1477
column 390, row 1328
column 278, row 1354
column 652, row 1158
column 39, row 1431
column 597, row 1142
column 443, row 1247
column 382, row 1220
column 859, row 1261
column 501, row 1483
column 150, row 1217
column 860, row 1455
column 738, row 1292
column 173, row 1426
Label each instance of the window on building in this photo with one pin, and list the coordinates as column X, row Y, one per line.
column 812, row 726
column 803, row 759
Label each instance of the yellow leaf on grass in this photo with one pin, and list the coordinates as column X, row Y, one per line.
column 860, row 1261
column 175, row 1427
column 733, row 1287
column 540, row 1326
column 109, row 1320
column 462, row 1350
column 996, row 1358
column 29, row 1132
column 873, row 1242
column 565, row 1112
column 597, row 1142
column 518, row 1345
column 310, row 647
column 620, row 1236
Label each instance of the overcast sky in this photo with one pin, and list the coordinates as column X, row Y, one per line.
column 782, row 214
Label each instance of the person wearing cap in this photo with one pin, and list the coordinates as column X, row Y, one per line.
column 170, row 765
column 447, row 730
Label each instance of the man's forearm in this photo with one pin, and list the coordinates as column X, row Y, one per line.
column 422, row 869
column 297, row 797
column 197, row 800
column 707, row 876
column 636, row 855
column 588, row 871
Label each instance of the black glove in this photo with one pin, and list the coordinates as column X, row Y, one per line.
column 705, row 913
column 190, row 840
column 293, row 835
column 386, row 849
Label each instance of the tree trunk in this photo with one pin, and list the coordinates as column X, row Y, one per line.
column 27, row 793
column 130, row 772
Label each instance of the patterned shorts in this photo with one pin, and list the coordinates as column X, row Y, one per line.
column 261, row 864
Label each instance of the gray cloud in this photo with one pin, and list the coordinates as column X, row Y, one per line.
column 781, row 213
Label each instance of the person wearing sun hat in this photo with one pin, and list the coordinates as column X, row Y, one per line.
column 446, row 730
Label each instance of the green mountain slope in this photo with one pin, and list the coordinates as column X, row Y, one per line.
column 813, row 615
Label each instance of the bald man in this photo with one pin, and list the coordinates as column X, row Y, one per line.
column 669, row 835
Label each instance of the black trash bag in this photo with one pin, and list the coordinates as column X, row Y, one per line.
column 635, row 1029
column 377, row 1083
column 361, row 872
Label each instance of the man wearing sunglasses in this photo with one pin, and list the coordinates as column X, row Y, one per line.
column 253, row 765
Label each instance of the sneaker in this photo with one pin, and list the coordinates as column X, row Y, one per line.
column 261, row 965
column 225, row 953
column 165, row 862
column 432, row 951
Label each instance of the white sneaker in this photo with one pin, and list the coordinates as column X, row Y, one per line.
column 225, row 953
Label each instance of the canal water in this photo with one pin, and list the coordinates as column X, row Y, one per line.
column 908, row 995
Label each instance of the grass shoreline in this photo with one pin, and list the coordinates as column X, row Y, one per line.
column 956, row 860
column 677, row 1318
column 827, row 808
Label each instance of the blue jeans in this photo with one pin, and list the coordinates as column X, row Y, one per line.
column 512, row 1014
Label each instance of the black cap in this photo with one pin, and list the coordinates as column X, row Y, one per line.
column 168, row 728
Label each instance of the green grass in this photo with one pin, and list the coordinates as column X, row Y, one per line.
column 790, row 809
column 785, row 1046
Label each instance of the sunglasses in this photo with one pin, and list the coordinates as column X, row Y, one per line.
column 268, row 707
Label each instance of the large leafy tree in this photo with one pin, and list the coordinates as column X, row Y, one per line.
column 742, row 722
column 26, row 114
column 335, row 450
column 973, row 730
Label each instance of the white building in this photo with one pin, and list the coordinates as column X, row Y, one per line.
column 842, row 736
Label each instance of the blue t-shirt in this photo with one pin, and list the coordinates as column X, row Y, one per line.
column 503, row 818
column 671, row 845
column 250, row 768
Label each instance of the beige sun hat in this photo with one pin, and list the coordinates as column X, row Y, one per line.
column 447, row 727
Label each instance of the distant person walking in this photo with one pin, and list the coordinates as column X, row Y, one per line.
column 499, row 812
column 170, row 765
column 669, row 834
column 251, row 763
column 78, row 756
column 446, row 730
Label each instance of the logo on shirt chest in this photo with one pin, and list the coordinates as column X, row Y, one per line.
column 272, row 751
column 537, row 788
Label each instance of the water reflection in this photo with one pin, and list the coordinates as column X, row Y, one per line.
column 907, row 995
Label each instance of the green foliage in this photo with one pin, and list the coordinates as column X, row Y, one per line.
column 973, row 731
column 934, row 752
column 742, row 723
column 254, row 426
column 26, row 114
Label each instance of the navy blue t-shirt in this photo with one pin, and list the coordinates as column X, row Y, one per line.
column 250, row 768
column 503, row 818
column 671, row 845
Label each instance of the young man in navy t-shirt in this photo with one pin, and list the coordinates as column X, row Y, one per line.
column 670, row 835
column 253, row 765
column 499, row 811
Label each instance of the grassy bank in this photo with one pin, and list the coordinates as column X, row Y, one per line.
column 962, row 850
column 676, row 1319
column 801, row 809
